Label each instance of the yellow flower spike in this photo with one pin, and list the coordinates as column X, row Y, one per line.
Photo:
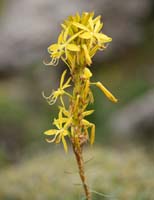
column 79, row 40
column 106, row 92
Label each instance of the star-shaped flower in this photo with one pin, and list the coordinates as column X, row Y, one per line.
column 60, row 92
column 61, row 132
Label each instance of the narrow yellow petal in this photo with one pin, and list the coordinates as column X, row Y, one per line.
column 88, row 112
column 98, row 18
column 51, row 140
column 87, row 56
column 64, row 144
column 106, row 92
column 64, row 111
column 77, row 17
column 86, row 89
column 74, row 36
column 93, row 51
column 81, row 26
column 73, row 47
column 91, row 24
column 51, row 132
column 92, row 136
column 87, row 73
column 66, row 85
column 53, row 47
column 65, row 34
column 104, row 38
column 63, row 26
column 62, row 78
column 60, row 38
column 85, row 35
column 97, row 26
column 86, row 122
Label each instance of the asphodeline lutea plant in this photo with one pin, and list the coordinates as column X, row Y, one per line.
column 78, row 42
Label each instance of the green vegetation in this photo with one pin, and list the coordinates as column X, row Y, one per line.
column 118, row 175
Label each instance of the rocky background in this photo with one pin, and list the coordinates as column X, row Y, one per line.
column 27, row 28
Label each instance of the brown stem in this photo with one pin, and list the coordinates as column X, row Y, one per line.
column 79, row 159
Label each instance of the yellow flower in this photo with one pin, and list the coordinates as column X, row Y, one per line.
column 60, row 92
column 62, row 47
column 92, row 31
column 79, row 40
column 60, row 133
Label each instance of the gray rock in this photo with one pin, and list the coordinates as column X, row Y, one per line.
column 136, row 118
column 29, row 26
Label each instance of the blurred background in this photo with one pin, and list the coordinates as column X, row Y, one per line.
column 121, row 163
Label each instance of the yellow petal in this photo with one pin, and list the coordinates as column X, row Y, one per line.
column 65, row 112
column 92, row 136
column 77, row 17
column 74, row 36
column 51, row 140
column 88, row 112
column 53, row 47
column 62, row 78
column 81, row 26
column 64, row 144
column 73, row 47
column 106, row 92
column 86, row 122
column 66, row 85
column 91, row 24
column 85, row 35
column 97, row 26
column 87, row 56
column 84, row 18
column 104, row 38
column 97, row 19
column 60, row 38
column 65, row 132
column 87, row 73
column 65, row 34
column 63, row 26
column 94, row 50
column 51, row 132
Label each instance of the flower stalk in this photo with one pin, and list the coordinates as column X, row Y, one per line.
column 78, row 42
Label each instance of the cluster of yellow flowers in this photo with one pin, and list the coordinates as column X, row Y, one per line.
column 77, row 43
